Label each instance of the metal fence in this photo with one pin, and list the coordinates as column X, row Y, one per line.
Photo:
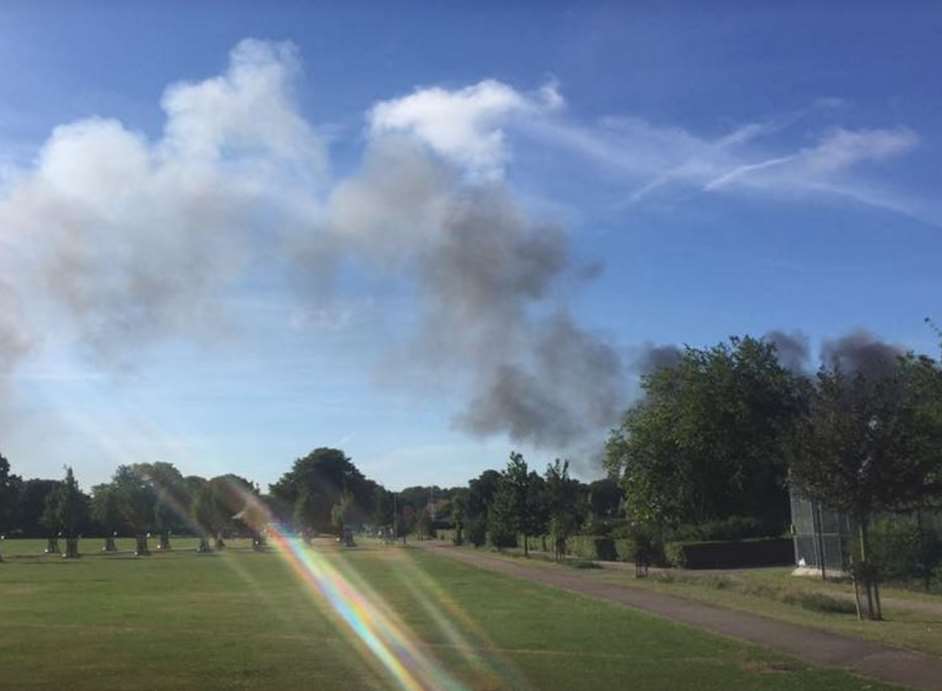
column 821, row 536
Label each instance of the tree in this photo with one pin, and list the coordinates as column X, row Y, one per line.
column 209, row 514
column 323, row 476
column 707, row 440
column 561, row 505
column 67, row 512
column 502, row 518
column 383, row 507
column 10, row 487
column 341, row 514
column 31, row 505
column 459, row 503
column 868, row 445
column 535, row 518
column 105, row 513
column 136, row 502
column 605, row 498
column 171, row 504
column 423, row 524
column 305, row 513
column 517, row 505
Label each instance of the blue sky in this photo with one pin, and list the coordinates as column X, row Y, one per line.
column 231, row 271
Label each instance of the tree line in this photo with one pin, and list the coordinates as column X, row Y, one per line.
column 710, row 449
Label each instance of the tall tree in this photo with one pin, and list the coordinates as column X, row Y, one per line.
column 868, row 445
column 459, row 504
column 10, row 487
column 136, row 503
column 561, row 505
column 67, row 512
column 707, row 440
column 106, row 514
column 321, row 478
column 210, row 515
column 171, row 498
column 31, row 505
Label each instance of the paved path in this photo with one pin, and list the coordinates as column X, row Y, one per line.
column 857, row 655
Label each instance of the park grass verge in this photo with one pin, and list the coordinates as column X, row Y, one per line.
column 910, row 623
column 245, row 620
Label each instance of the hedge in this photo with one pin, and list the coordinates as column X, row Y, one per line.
column 731, row 554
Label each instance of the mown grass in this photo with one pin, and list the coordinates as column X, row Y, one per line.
column 246, row 620
column 912, row 620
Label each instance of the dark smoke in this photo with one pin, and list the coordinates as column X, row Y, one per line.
column 572, row 387
column 860, row 351
column 792, row 348
column 651, row 358
column 488, row 280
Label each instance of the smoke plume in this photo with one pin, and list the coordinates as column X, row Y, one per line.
column 649, row 358
column 792, row 348
column 129, row 240
column 860, row 351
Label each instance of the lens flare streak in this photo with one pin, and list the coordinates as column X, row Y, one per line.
column 389, row 641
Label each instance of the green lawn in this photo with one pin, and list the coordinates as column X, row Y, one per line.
column 247, row 620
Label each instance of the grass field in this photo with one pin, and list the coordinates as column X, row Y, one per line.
column 246, row 620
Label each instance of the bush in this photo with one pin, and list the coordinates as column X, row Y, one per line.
column 730, row 554
column 904, row 550
column 593, row 547
column 641, row 545
column 732, row 528
column 476, row 531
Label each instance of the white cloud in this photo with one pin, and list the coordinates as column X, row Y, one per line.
column 465, row 125
column 134, row 237
column 748, row 159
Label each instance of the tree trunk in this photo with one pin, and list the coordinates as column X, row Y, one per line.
column 526, row 545
column 71, row 548
column 868, row 573
column 853, row 572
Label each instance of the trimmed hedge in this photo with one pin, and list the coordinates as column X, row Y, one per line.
column 731, row 554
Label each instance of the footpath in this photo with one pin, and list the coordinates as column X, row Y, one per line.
column 866, row 658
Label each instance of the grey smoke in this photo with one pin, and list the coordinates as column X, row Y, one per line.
column 650, row 358
column 792, row 348
column 572, row 387
column 861, row 351
column 15, row 341
column 488, row 280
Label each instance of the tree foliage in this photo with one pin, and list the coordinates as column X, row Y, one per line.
column 318, row 481
column 707, row 439
column 66, row 507
column 870, row 445
column 10, row 487
column 562, row 497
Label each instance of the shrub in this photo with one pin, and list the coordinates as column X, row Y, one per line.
column 906, row 550
column 731, row 528
column 593, row 547
column 730, row 554
column 476, row 531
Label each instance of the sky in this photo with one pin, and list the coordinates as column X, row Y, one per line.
column 430, row 234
